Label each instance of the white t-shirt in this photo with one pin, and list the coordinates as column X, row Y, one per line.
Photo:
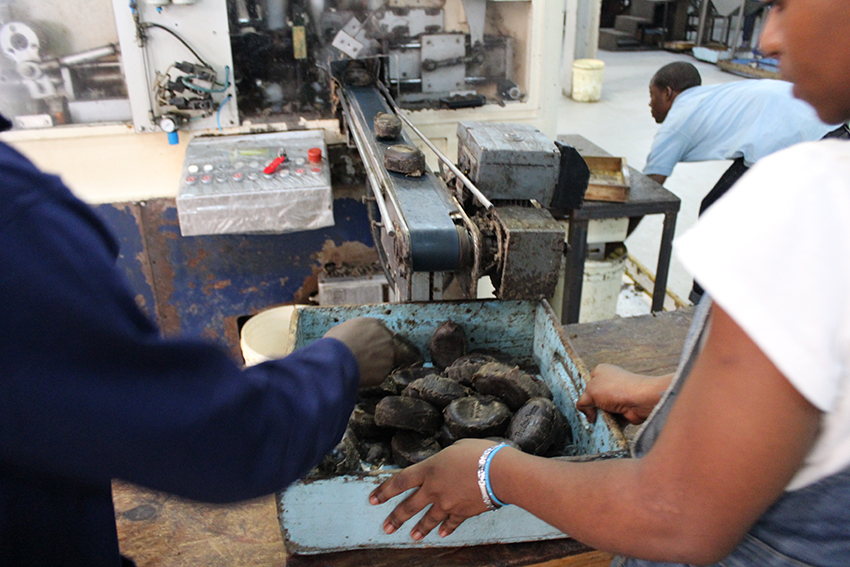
column 749, row 119
column 774, row 252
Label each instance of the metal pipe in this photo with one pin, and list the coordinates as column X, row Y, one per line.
column 484, row 201
column 738, row 24
column 90, row 55
column 275, row 14
column 703, row 13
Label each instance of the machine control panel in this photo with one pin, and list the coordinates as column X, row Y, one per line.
column 277, row 182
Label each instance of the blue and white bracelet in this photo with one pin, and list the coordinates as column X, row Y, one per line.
column 484, row 461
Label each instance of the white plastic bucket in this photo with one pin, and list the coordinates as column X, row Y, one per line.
column 587, row 79
column 603, row 280
column 265, row 336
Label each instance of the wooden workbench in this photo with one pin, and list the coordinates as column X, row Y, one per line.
column 159, row 530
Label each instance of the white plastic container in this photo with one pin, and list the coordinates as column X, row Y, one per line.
column 587, row 80
column 603, row 280
column 265, row 336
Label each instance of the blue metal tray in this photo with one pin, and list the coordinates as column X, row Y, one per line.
column 333, row 514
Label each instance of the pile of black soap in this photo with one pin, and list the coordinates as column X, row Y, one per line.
column 418, row 410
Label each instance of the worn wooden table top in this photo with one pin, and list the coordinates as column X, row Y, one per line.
column 159, row 530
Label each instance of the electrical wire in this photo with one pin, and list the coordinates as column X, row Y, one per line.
column 187, row 81
column 218, row 114
column 180, row 39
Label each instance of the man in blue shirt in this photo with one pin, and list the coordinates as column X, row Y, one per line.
column 742, row 121
column 89, row 391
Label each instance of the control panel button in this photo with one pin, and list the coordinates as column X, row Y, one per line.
column 208, row 167
column 238, row 176
column 206, row 179
column 192, row 168
column 299, row 161
column 253, row 176
column 191, row 180
column 314, row 155
column 300, row 171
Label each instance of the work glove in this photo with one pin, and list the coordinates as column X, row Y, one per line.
column 371, row 343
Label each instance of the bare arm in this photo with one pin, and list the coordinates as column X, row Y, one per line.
column 658, row 178
column 738, row 433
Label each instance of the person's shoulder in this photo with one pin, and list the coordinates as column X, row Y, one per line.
column 832, row 154
column 20, row 178
column 11, row 159
column 822, row 166
column 752, row 87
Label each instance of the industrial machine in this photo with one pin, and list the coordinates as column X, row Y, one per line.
column 41, row 89
column 223, row 64
column 465, row 76
column 438, row 235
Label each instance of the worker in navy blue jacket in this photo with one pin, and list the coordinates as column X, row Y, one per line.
column 89, row 391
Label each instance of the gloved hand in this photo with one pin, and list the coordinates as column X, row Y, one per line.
column 371, row 343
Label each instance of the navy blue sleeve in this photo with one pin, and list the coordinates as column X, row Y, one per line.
column 89, row 390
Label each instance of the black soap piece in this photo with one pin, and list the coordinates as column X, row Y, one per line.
column 344, row 458
column 376, row 453
column 465, row 367
column 499, row 355
column 362, row 424
column 404, row 376
column 410, row 448
column 387, row 126
column 445, row 437
column 358, row 76
column 509, row 384
column 405, row 159
column 437, row 390
column 476, row 416
column 386, row 388
column 404, row 412
column 447, row 344
column 405, row 353
column 536, row 426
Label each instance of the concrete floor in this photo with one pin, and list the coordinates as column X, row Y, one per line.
column 621, row 124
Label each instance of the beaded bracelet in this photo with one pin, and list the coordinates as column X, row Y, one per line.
column 487, row 495
column 490, row 493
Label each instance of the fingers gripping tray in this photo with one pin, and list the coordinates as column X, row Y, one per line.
column 331, row 512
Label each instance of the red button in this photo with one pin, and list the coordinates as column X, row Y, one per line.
column 314, row 155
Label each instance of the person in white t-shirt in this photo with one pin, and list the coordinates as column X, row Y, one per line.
column 744, row 457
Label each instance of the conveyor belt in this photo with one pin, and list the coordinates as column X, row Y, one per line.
column 421, row 203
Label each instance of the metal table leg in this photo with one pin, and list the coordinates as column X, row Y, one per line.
column 574, row 276
column 664, row 255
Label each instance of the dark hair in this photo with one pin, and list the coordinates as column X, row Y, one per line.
column 679, row 76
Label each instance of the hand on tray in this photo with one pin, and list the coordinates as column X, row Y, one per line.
column 447, row 481
column 371, row 343
column 620, row 392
